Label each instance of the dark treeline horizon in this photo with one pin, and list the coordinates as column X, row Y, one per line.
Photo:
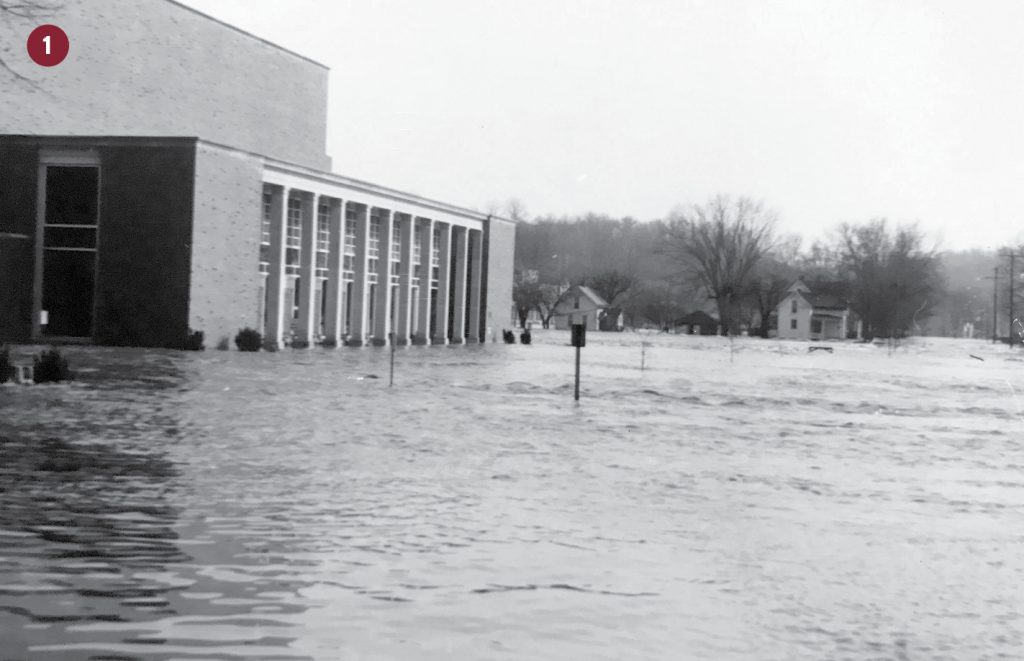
column 645, row 271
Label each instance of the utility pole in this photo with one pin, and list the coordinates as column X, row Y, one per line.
column 995, row 308
column 1012, row 254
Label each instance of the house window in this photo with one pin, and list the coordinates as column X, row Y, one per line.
column 792, row 308
column 792, row 324
column 815, row 325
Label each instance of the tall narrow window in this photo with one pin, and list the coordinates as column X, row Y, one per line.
column 793, row 306
column 349, row 261
column 435, row 257
column 268, row 207
column 70, row 225
column 323, row 238
column 293, row 243
column 373, row 249
column 417, row 255
column 396, row 250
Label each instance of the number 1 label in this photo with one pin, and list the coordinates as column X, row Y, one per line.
column 48, row 45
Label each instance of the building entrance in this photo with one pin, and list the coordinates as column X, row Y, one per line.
column 70, row 226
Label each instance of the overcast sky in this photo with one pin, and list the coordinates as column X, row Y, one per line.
column 827, row 111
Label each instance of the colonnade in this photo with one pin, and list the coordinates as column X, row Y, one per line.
column 380, row 276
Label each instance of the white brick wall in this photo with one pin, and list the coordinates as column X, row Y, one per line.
column 155, row 68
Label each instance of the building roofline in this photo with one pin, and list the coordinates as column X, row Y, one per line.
column 248, row 34
column 101, row 140
column 376, row 189
column 268, row 162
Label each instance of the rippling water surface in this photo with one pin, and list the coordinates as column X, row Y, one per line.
column 775, row 504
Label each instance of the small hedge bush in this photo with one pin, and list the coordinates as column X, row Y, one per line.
column 51, row 366
column 194, row 341
column 248, row 339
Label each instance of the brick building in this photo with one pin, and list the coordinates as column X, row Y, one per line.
column 188, row 187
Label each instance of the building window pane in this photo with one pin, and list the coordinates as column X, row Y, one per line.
column 435, row 256
column 373, row 249
column 293, row 240
column 268, row 207
column 323, row 238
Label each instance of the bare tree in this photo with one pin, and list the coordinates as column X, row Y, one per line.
column 770, row 281
column 526, row 294
column 611, row 284
column 551, row 297
column 515, row 209
column 717, row 246
column 15, row 14
column 895, row 280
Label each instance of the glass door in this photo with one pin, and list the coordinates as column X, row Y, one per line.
column 70, row 226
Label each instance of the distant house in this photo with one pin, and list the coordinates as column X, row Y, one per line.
column 816, row 311
column 698, row 323
column 580, row 305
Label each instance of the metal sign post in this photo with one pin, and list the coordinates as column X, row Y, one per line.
column 579, row 340
column 391, row 376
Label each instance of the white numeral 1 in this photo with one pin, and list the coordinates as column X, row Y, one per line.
column 47, row 40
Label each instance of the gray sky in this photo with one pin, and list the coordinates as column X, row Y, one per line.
column 828, row 111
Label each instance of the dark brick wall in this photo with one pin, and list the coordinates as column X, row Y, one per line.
column 146, row 201
column 18, row 174
column 144, row 245
column 155, row 68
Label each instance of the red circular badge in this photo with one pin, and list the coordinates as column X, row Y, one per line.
column 48, row 45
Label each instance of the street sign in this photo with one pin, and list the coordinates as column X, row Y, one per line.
column 579, row 335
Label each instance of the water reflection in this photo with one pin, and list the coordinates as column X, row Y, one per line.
column 772, row 506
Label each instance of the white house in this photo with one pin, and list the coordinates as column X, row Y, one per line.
column 580, row 305
column 816, row 311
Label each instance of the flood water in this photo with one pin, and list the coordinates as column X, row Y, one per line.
column 766, row 503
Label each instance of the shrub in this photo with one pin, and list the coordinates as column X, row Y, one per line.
column 5, row 364
column 248, row 339
column 194, row 341
column 51, row 366
column 223, row 344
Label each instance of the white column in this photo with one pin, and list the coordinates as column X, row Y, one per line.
column 407, row 231
column 360, row 286
column 305, row 328
column 275, row 312
column 422, row 330
column 335, row 286
column 382, row 305
column 443, row 283
column 476, row 249
column 460, row 245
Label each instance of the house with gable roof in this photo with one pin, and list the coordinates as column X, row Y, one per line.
column 818, row 310
column 580, row 305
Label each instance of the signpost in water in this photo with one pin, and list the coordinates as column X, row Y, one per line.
column 579, row 340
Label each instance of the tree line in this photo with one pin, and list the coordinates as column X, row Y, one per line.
column 727, row 258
